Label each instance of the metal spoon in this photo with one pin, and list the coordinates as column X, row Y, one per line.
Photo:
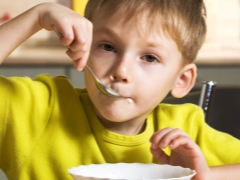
column 104, row 89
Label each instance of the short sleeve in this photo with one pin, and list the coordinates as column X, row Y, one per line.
column 218, row 147
column 25, row 107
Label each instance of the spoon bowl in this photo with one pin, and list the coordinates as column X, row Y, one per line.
column 104, row 89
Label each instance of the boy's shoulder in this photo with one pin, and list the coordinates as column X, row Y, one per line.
column 179, row 108
column 187, row 117
column 50, row 78
column 179, row 113
column 61, row 84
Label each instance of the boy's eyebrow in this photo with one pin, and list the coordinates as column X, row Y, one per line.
column 152, row 44
column 106, row 30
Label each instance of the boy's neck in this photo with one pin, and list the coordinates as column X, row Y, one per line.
column 129, row 128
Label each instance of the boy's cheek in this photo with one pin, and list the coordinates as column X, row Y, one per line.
column 98, row 58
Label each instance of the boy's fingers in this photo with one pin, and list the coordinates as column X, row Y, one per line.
column 157, row 136
column 80, row 42
column 172, row 135
column 82, row 38
column 79, row 58
column 186, row 147
column 81, row 63
column 75, row 55
column 164, row 137
column 66, row 36
column 181, row 141
column 160, row 155
column 78, row 45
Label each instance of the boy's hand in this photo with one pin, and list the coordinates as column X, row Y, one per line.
column 185, row 152
column 76, row 31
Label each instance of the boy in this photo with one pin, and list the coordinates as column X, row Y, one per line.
column 142, row 49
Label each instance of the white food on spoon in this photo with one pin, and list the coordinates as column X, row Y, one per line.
column 130, row 101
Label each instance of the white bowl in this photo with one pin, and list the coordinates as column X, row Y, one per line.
column 133, row 171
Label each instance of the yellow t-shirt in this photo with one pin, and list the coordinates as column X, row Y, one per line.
column 47, row 127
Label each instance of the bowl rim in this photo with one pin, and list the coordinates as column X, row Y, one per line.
column 191, row 172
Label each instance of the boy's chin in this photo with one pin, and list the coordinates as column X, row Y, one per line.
column 116, row 117
column 120, row 116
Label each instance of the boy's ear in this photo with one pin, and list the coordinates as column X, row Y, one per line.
column 185, row 81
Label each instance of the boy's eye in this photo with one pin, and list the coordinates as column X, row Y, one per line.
column 107, row 47
column 150, row 58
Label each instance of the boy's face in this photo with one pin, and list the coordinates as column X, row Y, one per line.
column 141, row 66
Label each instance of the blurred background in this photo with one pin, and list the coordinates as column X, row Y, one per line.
column 218, row 60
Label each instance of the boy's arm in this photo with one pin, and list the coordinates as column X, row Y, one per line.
column 14, row 32
column 186, row 153
column 225, row 172
column 76, row 30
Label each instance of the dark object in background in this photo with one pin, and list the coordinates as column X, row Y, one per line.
column 204, row 97
column 224, row 113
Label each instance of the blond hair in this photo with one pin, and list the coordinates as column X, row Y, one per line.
column 183, row 20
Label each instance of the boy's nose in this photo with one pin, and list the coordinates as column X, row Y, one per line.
column 121, row 72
